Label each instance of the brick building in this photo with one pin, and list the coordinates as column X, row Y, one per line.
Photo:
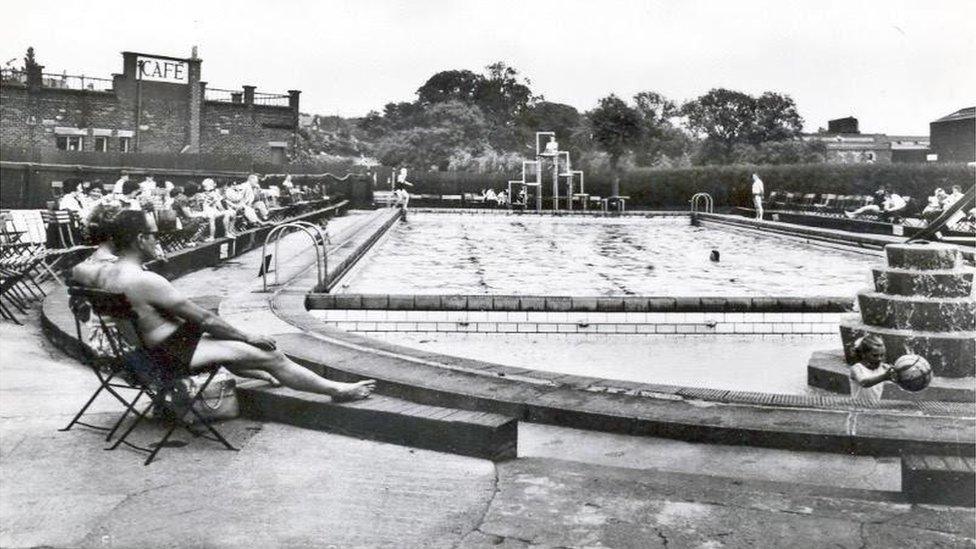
column 954, row 136
column 158, row 104
column 847, row 145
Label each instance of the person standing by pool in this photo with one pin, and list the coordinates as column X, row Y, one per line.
column 758, row 191
column 400, row 188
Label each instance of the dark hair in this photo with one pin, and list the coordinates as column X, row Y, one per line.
column 127, row 226
column 100, row 221
column 129, row 187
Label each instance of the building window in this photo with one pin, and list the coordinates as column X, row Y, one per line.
column 70, row 142
column 125, row 144
column 101, row 144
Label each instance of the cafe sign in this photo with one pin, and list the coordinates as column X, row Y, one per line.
column 157, row 69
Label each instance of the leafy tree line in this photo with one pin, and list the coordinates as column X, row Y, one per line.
column 486, row 123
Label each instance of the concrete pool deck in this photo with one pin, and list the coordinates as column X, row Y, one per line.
column 374, row 494
column 291, row 487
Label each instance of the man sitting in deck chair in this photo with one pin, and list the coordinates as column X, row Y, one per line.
column 173, row 327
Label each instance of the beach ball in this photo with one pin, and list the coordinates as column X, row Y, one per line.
column 914, row 372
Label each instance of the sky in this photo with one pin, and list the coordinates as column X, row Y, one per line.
column 896, row 65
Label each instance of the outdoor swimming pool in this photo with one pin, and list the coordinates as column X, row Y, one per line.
column 444, row 253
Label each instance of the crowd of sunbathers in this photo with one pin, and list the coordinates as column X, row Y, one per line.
column 891, row 206
column 229, row 205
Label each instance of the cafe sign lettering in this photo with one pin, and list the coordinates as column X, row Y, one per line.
column 157, row 69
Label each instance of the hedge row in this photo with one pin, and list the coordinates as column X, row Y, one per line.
column 730, row 185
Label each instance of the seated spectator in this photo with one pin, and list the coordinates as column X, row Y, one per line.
column 189, row 211
column 489, row 195
column 76, row 200
column 953, row 197
column 147, row 193
column 212, row 204
column 934, row 207
column 272, row 195
column 240, row 197
column 892, row 206
column 288, row 191
column 166, row 218
column 259, row 203
column 501, row 198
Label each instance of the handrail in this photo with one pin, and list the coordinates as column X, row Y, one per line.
column 321, row 258
column 706, row 198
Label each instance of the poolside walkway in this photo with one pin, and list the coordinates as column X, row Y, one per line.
column 290, row 487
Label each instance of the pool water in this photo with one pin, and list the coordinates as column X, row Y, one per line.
column 767, row 364
column 444, row 253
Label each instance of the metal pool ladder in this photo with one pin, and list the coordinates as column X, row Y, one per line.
column 705, row 199
column 321, row 257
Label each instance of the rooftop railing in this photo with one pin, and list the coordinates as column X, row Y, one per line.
column 226, row 96
column 75, row 82
column 238, row 96
column 15, row 76
column 271, row 99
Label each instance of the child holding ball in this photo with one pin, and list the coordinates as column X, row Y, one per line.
column 870, row 373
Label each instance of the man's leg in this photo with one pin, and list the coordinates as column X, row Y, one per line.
column 237, row 356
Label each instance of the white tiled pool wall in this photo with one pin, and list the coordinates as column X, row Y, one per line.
column 535, row 322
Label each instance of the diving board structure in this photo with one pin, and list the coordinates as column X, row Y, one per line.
column 567, row 183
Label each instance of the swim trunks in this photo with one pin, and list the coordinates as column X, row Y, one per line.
column 174, row 353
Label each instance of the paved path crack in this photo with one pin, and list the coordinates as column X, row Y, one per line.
column 484, row 515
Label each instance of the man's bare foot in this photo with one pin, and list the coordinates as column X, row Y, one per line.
column 354, row 391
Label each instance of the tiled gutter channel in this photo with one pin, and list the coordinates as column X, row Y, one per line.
column 580, row 315
column 824, row 423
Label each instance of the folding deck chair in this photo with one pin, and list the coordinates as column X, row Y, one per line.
column 122, row 363
column 22, row 269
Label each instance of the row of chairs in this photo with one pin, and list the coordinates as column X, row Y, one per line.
column 22, row 271
column 831, row 204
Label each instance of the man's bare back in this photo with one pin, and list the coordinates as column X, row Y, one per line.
column 170, row 322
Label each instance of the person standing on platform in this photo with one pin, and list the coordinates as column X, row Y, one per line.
column 758, row 191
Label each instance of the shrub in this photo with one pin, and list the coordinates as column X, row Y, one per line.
column 730, row 186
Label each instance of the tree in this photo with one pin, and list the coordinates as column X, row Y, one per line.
column 728, row 117
column 724, row 117
column 29, row 60
column 616, row 129
column 439, row 133
column 662, row 138
column 562, row 119
column 776, row 118
column 454, row 85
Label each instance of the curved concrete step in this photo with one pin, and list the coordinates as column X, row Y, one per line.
column 951, row 354
column 933, row 283
column 930, row 314
column 922, row 257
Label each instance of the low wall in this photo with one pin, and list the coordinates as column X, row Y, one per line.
column 211, row 253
